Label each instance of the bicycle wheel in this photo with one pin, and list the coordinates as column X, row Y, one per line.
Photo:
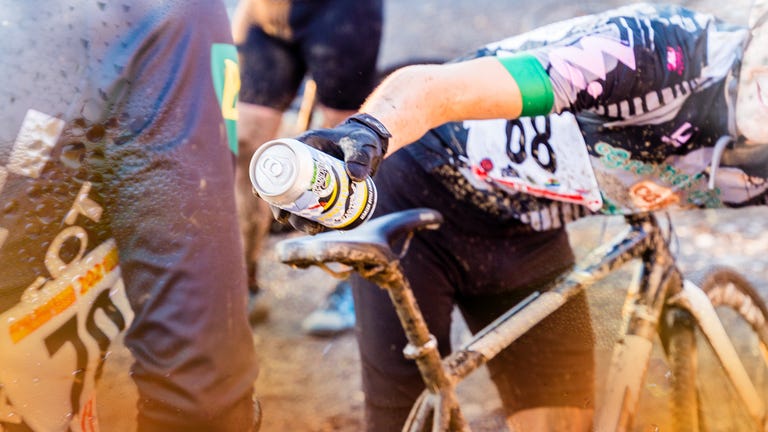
column 744, row 316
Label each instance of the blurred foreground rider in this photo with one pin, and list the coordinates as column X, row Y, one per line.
column 117, row 213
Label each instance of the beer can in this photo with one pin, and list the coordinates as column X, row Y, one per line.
column 307, row 182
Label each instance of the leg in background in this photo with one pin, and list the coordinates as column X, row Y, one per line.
column 340, row 48
column 257, row 124
column 270, row 75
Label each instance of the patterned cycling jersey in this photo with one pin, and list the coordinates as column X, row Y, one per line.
column 623, row 110
column 103, row 154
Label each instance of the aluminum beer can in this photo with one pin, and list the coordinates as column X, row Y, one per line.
column 307, row 182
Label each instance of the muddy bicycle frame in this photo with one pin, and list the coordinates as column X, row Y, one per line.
column 659, row 289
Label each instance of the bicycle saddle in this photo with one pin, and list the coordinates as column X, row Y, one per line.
column 371, row 243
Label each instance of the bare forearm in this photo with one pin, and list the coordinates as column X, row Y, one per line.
column 417, row 98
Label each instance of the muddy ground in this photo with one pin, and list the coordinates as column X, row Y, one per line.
column 311, row 384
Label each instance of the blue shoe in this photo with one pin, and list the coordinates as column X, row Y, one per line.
column 334, row 316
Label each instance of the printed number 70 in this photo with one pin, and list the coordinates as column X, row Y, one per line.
column 68, row 333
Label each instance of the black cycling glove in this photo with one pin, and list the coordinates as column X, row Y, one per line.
column 361, row 141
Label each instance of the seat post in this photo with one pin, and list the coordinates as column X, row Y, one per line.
column 422, row 346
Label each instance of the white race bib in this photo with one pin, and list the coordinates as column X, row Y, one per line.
column 544, row 156
column 53, row 340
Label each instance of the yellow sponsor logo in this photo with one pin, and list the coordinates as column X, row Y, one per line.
column 231, row 90
column 226, row 82
column 96, row 274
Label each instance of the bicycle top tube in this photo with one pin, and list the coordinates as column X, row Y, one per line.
column 371, row 243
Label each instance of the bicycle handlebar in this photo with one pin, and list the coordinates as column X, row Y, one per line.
column 369, row 244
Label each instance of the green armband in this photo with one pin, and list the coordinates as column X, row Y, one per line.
column 533, row 81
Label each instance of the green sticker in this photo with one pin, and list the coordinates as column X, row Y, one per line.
column 533, row 81
column 226, row 82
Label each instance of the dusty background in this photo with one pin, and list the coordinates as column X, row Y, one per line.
column 310, row 384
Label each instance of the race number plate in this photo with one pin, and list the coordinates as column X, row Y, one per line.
column 544, row 156
column 53, row 343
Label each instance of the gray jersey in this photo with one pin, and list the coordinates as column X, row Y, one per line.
column 639, row 97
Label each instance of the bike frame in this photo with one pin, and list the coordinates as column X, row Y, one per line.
column 659, row 287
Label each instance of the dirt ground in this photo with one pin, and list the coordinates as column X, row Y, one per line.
column 311, row 384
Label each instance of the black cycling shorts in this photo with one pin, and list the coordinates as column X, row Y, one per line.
column 336, row 42
column 485, row 267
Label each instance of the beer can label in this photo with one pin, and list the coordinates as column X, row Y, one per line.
column 311, row 184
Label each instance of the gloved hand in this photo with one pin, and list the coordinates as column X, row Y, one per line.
column 360, row 141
